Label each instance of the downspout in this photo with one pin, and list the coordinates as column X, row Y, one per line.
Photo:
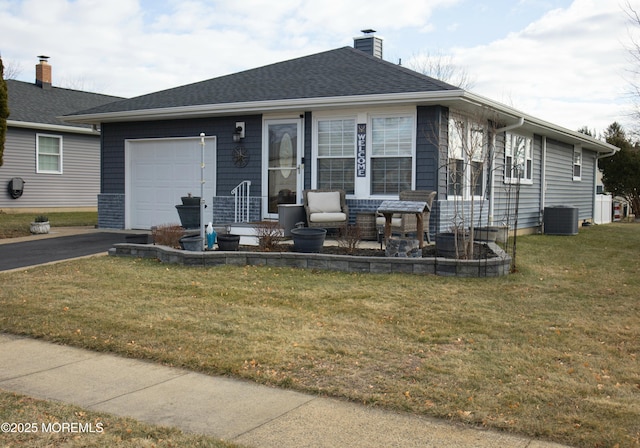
column 493, row 157
column 543, row 180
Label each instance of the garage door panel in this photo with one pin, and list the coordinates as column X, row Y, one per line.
column 161, row 171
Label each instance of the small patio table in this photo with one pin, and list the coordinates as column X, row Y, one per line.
column 388, row 208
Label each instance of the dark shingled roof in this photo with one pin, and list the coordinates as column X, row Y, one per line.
column 341, row 72
column 33, row 104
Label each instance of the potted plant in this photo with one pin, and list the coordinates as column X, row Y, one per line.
column 190, row 200
column 40, row 225
column 189, row 211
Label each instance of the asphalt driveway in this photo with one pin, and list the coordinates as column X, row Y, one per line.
column 39, row 251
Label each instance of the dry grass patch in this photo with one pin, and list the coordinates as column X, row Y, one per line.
column 13, row 225
column 550, row 352
column 41, row 423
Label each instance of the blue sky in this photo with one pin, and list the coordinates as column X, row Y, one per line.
column 560, row 60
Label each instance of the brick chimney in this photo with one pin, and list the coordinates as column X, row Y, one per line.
column 369, row 43
column 43, row 73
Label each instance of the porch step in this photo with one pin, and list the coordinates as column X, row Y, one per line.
column 247, row 232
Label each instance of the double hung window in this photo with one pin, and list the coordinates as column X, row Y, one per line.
column 48, row 154
column 466, row 158
column 577, row 163
column 518, row 159
column 391, row 155
column 336, row 154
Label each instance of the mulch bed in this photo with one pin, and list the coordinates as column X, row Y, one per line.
column 429, row 251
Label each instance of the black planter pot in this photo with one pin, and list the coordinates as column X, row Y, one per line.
column 192, row 242
column 308, row 239
column 446, row 245
column 189, row 215
column 228, row 242
column 190, row 200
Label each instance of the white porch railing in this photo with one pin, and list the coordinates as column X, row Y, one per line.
column 241, row 193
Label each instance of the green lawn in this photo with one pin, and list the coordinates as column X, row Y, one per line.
column 16, row 225
column 550, row 352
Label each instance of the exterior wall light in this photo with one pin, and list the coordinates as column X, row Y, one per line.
column 238, row 133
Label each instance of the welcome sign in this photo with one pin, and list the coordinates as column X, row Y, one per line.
column 361, row 151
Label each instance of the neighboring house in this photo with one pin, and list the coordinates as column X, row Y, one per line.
column 58, row 162
column 339, row 119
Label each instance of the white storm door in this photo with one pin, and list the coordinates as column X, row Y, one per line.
column 282, row 156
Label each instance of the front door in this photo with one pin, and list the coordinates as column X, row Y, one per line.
column 284, row 171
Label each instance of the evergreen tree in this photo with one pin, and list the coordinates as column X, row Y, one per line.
column 621, row 172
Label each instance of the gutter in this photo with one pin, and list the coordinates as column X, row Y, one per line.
column 52, row 127
column 501, row 130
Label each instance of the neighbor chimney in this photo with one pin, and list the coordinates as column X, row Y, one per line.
column 43, row 73
column 370, row 44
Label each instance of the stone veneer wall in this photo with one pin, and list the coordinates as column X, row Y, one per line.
column 111, row 211
column 491, row 267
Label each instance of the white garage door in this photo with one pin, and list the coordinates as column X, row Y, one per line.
column 159, row 172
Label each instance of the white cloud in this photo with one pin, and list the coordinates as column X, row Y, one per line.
column 567, row 67
column 571, row 60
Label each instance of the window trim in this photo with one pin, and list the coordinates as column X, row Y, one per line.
column 319, row 157
column 577, row 150
column 470, row 126
column 370, row 153
column 60, row 154
column 508, row 176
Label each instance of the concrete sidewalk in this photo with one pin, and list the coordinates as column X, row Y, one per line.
column 233, row 410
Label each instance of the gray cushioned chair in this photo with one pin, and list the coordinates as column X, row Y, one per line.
column 326, row 208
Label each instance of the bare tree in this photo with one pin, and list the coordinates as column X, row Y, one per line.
column 12, row 70
column 444, row 68
column 634, row 52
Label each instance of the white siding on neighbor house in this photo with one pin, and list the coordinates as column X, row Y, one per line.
column 560, row 188
column 77, row 186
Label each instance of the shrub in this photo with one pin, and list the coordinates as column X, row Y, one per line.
column 349, row 238
column 269, row 234
column 168, row 235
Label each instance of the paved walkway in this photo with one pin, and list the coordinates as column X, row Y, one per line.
column 233, row 410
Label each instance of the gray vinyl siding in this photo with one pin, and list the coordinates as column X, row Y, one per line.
column 506, row 194
column 561, row 189
column 427, row 147
column 77, row 186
